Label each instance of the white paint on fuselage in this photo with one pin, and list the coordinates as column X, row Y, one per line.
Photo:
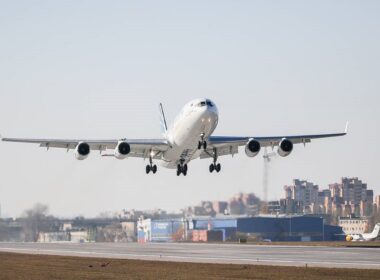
column 185, row 133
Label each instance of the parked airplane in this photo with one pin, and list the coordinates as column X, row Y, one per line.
column 365, row 236
column 189, row 137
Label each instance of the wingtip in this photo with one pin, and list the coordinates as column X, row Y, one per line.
column 346, row 129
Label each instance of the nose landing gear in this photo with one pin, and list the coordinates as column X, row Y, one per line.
column 202, row 142
column 182, row 168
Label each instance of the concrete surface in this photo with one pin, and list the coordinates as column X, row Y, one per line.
column 211, row 253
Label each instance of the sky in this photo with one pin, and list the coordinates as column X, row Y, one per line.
column 98, row 69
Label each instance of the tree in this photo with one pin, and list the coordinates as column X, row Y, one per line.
column 34, row 221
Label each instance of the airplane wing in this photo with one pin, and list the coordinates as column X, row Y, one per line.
column 228, row 145
column 139, row 147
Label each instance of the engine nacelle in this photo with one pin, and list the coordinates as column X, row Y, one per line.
column 122, row 150
column 285, row 147
column 252, row 148
column 82, row 151
column 349, row 238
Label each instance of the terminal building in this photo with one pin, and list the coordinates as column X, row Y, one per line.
column 205, row 229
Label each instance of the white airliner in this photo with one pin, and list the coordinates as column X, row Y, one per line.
column 365, row 236
column 189, row 137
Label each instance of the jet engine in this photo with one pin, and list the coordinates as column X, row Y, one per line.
column 122, row 150
column 285, row 147
column 349, row 238
column 252, row 148
column 82, row 151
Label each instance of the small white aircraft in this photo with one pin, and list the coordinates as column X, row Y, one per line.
column 365, row 236
column 188, row 138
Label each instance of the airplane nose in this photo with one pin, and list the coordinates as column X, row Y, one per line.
column 209, row 115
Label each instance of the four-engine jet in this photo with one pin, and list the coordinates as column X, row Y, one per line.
column 189, row 137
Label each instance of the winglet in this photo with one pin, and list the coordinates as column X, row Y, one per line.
column 346, row 129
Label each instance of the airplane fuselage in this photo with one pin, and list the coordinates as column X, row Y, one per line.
column 196, row 121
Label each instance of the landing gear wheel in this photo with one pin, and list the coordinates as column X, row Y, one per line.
column 202, row 144
column 218, row 167
column 154, row 169
column 147, row 169
column 212, row 167
column 182, row 168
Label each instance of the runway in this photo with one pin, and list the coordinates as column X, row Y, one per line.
column 211, row 253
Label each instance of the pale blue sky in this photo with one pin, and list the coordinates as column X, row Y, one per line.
column 98, row 69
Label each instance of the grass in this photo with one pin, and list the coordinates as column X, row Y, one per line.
column 23, row 266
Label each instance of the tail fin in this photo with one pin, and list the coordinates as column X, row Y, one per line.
column 376, row 230
column 164, row 126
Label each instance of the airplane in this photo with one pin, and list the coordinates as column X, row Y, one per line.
column 365, row 236
column 189, row 137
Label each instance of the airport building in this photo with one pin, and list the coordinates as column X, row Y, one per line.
column 353, row 224
column 227, row 226
column 288, row 228
column 205, row 229
column 168, row 230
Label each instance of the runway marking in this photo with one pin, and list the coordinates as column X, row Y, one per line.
column 162, row 257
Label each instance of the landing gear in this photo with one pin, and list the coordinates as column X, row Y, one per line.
column 202, row 143
column 218, row 167
column 151, row 167
column 182, row 168
column 212, row 167
column 215, row 166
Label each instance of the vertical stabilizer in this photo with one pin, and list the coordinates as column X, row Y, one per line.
column 375, row 232
column 163, row 123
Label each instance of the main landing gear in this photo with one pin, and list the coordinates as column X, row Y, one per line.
column 182, row 168
column 151, row 167
column 215, row 166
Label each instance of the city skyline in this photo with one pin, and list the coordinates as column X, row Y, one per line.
column 206, row 207
column 99, row 70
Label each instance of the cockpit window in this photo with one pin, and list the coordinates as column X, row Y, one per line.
column 204, row 103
